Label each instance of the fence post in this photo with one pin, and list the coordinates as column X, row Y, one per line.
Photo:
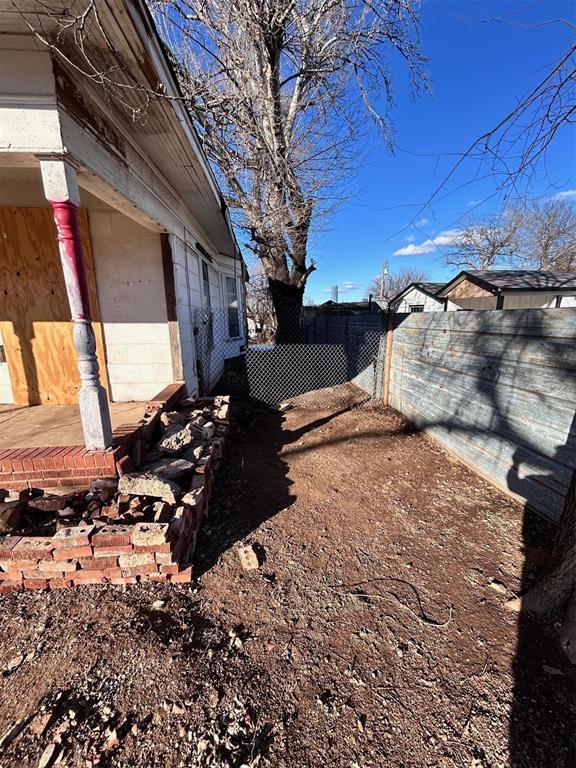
column 388, row 357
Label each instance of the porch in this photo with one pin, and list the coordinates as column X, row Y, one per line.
column 44, row 446
column 40, row 426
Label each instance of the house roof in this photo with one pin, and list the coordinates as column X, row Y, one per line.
column 343, row 307
column 505, row 280
column 430, row 289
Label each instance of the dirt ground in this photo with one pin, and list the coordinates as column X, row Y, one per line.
column 372, row 635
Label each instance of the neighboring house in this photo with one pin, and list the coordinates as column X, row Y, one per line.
column 490, row 289
column 420, row 297
column 143, row 256
column 366, row 307
column 510, row 289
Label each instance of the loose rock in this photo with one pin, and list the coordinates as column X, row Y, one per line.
column 149, row 484
column 176, row 439
column 248, row 558
column 172, row 469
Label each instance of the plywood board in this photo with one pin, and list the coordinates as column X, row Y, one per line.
column 34, row 311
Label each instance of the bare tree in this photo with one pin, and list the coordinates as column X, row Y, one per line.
column 485, row 243
column 260, row 308
column 388, row 286
column 514, row 149
column 535, row 234
column 278, row 89
column 546, row 237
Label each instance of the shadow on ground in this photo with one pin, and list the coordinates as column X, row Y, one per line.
column 253, row 484
column 543, row 718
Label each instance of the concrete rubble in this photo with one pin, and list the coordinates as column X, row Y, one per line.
column 140, row 526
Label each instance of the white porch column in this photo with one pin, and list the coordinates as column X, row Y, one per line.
column 61, row 190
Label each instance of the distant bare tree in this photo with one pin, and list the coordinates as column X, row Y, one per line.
column 547, row 235
column 260, row 308
column 279, row 90
column 485, row 243
column 386, row 287
column 533, row 234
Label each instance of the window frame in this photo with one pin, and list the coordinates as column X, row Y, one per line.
column 230, row 306
column 207, row 302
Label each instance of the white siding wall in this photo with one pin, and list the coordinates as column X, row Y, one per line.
column 6, row 395
column 215, row 293
column 187, row 289
column 536, row 300
column 524, row 300
column 417, row 297
column 28, row 115
column 130, row 283
column 212, row 357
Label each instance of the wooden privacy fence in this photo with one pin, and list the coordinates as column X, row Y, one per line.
column 498, row 389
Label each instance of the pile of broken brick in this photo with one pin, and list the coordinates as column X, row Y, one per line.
column 141, row 526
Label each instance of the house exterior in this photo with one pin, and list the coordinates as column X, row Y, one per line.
column 420, row 297
column 490, row 289
column 511, row 289
column 110, row 217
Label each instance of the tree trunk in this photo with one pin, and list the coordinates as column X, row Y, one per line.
column 287, row 300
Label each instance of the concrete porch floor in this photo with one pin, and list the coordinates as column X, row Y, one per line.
column 41, row 426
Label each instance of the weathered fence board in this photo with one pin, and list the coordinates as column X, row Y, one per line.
column 498, row 388
column 548, row 438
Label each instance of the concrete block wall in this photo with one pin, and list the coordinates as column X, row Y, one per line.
column 131, row 295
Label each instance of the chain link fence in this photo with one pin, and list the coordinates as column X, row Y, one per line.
column 328, row 352
column 220, row 337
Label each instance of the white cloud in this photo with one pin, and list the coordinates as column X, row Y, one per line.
column 448, row 237
column 410, row 238
column 421, row 223
column 349, row 286
column 470, row 203
column 567, row 194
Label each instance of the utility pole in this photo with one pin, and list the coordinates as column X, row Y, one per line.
column 383, row 279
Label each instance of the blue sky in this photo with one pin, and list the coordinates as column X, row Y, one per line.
column 478, row 72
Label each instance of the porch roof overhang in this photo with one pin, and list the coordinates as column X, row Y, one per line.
column 120, row 90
